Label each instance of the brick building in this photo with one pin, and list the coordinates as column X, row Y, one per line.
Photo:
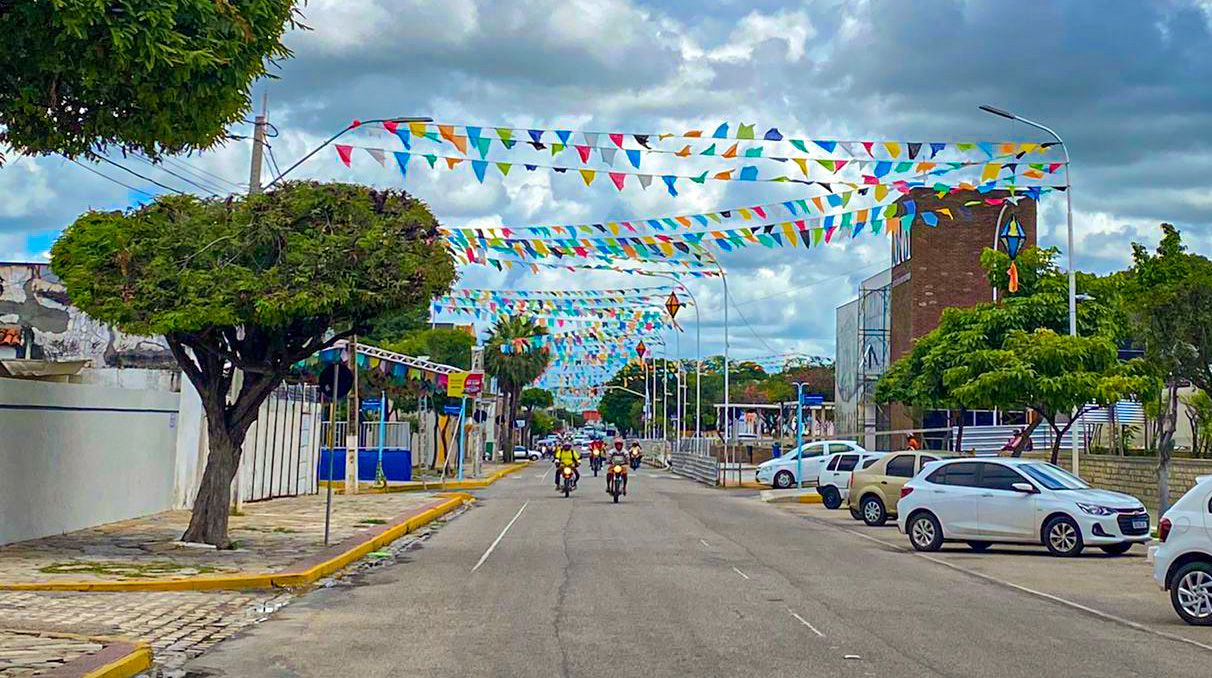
column 932, row 268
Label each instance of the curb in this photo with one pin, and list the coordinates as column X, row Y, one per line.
column 806, row 498
column 298, row 574
column 425, row 486
column 117, row 658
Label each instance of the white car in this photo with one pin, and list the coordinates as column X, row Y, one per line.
column 1016, row 501
column 1182, row 562
column 781, row 471
column 833, row 483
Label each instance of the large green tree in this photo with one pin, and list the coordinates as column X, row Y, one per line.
column 514, row 370
column 161, row 76
column 1170, row 297
column 255, row 283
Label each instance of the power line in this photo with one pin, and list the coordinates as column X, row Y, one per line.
column 200, row 172
column 272, row 160
column 109, row 178
column 147, row 161
column 143, row 177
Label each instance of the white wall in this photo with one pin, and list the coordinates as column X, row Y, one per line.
column 73, row 456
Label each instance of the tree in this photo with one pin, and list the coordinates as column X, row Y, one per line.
column 1170, row 297
column 533, row 399
column 514, row 370
column 255, row 283
column 1050, row 374
column 149, row 77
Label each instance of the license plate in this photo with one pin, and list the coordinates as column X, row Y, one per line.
column 1140, row 524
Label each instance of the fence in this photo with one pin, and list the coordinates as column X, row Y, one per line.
column 396, row 434
column 281, row 450
column 702, row 468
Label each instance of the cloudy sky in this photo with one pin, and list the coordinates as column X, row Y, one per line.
column 1127, row 83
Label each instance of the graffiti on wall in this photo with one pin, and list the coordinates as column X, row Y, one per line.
column 34, row 307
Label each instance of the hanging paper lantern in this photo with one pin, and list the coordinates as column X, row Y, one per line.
column 1012, row 238
column 673, row 304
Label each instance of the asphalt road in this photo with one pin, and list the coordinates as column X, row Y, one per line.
column 677, row 580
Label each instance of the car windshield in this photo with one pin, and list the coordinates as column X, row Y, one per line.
column 1053, row 477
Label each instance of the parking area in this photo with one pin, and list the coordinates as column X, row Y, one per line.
column 1119, row 588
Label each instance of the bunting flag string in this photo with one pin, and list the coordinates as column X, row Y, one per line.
column 491, row 294
column 482, row 258
column 474, row 137
column 804, row 156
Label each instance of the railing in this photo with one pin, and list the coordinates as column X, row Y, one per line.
column 396, row 434
column 699, row 467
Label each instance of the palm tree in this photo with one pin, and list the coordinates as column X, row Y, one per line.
column 516, row 370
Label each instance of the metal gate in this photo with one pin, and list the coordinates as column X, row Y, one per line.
column 282, row 447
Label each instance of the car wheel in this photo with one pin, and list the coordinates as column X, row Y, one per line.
column 1191, row 593
column 1117, row 549
column 873, row 511
column 925, row 534
column 783, row 480
column 830, row 497
column 979, row 546
column 1063, row 537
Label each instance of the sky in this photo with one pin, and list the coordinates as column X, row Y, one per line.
column 1128, row 84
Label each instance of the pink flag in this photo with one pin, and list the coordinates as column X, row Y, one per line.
column 345, row 152
column 391, row 126
column 584, row 153
column 617, row 139
column 618, row 178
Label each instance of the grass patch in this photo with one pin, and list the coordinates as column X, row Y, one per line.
column 372, row 521
column 284, row 530
column 126, row 570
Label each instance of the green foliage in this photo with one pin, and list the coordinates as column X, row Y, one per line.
column 541, row 424
column 1170, row 295
column 154, row 77
column 442, row 345
column 514, row 370
column 535, row 398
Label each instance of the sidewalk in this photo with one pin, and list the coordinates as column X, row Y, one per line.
column 269, row 537
column 433, row 481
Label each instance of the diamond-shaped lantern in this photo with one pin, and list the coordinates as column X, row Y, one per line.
column 1012, row 237
column 640, row 349
column 673, row 305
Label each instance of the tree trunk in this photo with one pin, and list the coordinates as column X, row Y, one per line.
column 1022, row 443
column 514, row 395
column 209, row 520
column 1165, row 445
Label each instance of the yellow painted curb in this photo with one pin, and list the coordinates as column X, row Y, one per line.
column 426, row 486
column 131, row 665
column 268, row 580
column 810, row 499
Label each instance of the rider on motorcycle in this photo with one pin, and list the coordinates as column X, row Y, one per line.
column 637, row 453
column 568, row 455
column 617, row 458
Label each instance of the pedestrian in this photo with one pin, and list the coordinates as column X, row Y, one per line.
column 914, row 443
column 776, row 450
column 1012, row 444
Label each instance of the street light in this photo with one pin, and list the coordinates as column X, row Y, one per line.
column 799, row 434
column 352, row 125
column 698, row 347
column 1069, row 222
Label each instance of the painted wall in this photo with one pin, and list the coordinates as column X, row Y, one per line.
column 75, row 455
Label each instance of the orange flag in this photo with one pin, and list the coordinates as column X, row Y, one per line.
column 447, row 132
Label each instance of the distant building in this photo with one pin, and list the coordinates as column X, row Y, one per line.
column 932, row 268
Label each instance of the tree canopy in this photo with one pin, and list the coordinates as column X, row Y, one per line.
column 152, row 77
column 514, row 370
column 256, row 283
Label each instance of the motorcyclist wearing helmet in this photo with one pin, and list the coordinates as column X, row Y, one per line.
column 568, row 455
column 618, row 459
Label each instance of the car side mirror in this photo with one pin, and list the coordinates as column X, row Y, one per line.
column 1026, row 488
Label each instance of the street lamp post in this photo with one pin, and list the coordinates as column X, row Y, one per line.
column 353, row 125
column 799, row 434
column 1069, row 223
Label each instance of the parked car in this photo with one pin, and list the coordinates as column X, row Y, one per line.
column 1182, row 562
column 781, row 471
column 875, row 490
column 1016, row 501
column 520, row 452
column 833, row 483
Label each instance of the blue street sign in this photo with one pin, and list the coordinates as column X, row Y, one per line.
column 813, row 399
column 371, row 405
column 453, row 409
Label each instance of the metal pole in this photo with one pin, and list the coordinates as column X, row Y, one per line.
column 352, row 125
column 799, row 434
column 382, row 435
column 1069, row 224
column 332, row 435
column 727, row 400
column 462, row 436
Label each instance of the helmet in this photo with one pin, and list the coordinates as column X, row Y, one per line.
column 618, row 442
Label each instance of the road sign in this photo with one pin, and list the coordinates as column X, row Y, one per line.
column 813, row 399
column 373, row 405
column 453, row 409
column 338, row 375
column 519, row 423
column 474, row 384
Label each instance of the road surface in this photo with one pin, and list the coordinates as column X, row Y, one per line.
column 677, row 580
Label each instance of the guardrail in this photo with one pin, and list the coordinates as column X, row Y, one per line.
column 699, row 467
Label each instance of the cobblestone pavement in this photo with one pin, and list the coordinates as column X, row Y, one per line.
column 27, row 653
column 269, row 536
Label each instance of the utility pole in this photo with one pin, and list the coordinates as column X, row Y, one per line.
column 354, row 404
column 477, row 431
column 254, row 186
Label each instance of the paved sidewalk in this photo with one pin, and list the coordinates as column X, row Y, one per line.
column 269, row 536
column 28, row 653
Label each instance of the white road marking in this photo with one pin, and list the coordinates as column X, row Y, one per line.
column 1030, row 591
column 546, row 472
column 805, row 623
column 739, row 572
column 500, row 537
column 704, row 543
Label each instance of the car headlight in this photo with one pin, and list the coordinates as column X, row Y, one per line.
column 1095, row 510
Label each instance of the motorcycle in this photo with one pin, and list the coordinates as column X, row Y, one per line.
column 568, row 481
column 616, row 482
column 635, row 460
column 595, row 462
